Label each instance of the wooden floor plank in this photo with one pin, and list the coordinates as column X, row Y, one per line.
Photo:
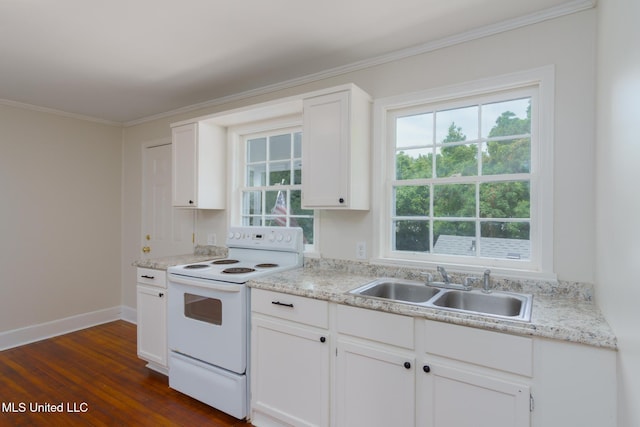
column 97, row 373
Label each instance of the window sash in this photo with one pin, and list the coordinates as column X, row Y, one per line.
column 538, row 85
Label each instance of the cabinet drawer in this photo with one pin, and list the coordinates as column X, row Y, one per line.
column 378, row 326
column 495, row 350
column 152, row 277
column 291, row 307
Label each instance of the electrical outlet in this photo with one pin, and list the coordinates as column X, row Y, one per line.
column 211, row 239
column 361, row 250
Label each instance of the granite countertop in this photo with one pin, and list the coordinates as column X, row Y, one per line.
column 201, row 253
column 565, row 312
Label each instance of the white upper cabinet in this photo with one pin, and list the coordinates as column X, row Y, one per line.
column 336, row 141
column 199, row 166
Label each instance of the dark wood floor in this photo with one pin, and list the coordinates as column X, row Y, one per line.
column 97, row 377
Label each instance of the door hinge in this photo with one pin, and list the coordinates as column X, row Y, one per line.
column 531, row 403
column 193, row 237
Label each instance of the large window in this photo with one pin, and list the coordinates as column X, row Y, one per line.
column 273, row 181
column 463, row 184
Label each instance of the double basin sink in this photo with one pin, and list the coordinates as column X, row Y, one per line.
column 506, row 305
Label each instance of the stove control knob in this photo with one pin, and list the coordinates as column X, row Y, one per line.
column 288, row 238
column 237, row 235
column 230, row 235
column 279, row 238
column 272, row 237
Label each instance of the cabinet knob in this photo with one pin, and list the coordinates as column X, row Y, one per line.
column 426, row 368
column 323, row 339
column 341, row 200
column 190, row 202
column 407, row 365
column 160, row 294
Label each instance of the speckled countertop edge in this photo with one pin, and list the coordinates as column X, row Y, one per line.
column 201, row 253
column 566, row 315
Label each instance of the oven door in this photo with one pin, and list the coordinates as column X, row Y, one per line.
column 207, row 320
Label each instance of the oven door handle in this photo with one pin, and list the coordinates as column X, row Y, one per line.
column 232, row 287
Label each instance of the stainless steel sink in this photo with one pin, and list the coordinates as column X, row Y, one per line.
column 505, row 305
column 502, row 304
column 397, row 290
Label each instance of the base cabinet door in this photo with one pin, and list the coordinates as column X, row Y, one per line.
column 450, row 396
column 290, row 374
column 375, row 386
column 152, row 326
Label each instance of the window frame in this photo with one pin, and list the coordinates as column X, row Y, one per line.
column 237, row 136
column 541, row 80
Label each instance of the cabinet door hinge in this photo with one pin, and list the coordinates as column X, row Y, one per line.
column 531, row 403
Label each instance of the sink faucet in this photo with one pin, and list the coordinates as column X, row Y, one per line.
column 443, row 273
column 486, row 283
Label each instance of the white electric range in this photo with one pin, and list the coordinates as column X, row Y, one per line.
column 208, row 314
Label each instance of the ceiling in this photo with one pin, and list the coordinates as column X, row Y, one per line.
column 125, row 60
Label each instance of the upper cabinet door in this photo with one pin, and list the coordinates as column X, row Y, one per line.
column 336, row 150
column 185, row 167
column 199, row 166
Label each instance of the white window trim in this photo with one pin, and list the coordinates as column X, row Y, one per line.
column 541, row 265
column 237, row 160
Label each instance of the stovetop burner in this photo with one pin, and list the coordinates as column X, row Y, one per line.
column 195, row 266
column 238, row 270
column 225, row 261
column 266, row 265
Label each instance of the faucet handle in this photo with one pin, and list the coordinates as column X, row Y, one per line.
column 468, row 281
column 429, row 277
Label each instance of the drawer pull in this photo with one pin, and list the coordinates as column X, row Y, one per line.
column 144, row 276
column 281, row 303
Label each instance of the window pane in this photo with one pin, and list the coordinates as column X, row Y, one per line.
column 507, row 156
column 257, row 175
column 280, row 173
column 457, row 160
column 252, row 203
column 454, row 200
column 506, row 118
column 297, row 145
column 252, row 220
column 307, row 228
column 411, row 201
column 414, row 164
column 257, row 150
column 509, row 199
column 275, row 202
column 296, row 199
column 507, row 240
column 457, row 125
column 280, row 147
column 297, row 172
column 416, row 130
column 454, row 237
column 411, row 236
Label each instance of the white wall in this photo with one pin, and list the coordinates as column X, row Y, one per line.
column 60, row 186
column 618, row 193
column 568, row 43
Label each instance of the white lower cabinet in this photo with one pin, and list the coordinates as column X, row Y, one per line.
column 463, row 398
column 290, row 350
column 316, row 363
column 152, row 318
column 375, row 386
column 473, row 378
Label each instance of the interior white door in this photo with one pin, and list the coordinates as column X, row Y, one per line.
column 165, row 230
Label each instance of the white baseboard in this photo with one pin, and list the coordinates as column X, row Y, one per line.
column 33, row 333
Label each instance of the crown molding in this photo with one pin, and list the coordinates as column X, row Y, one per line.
column 25, row 106
column 489, row 30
